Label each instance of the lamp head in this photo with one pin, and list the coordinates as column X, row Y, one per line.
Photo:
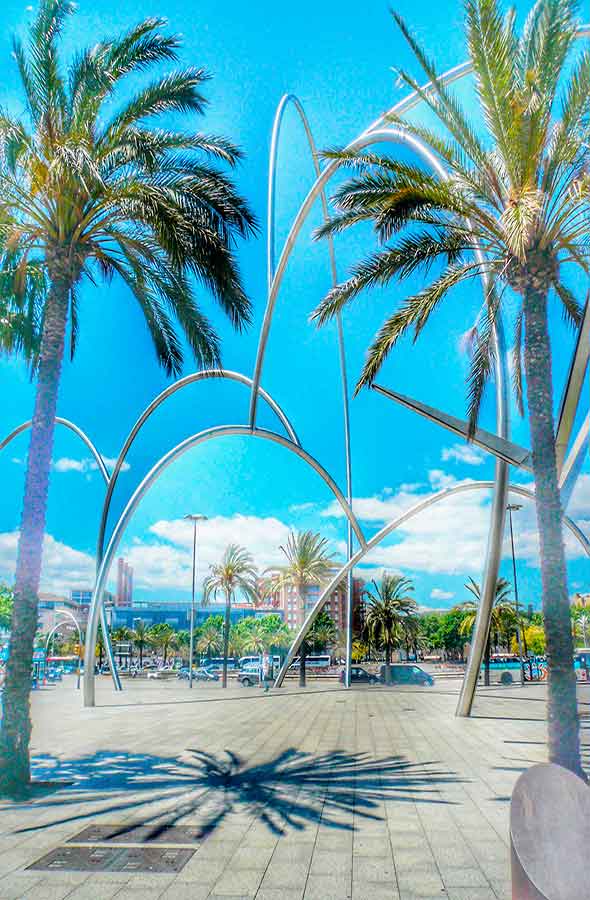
column 513, row 507
column 196, row 517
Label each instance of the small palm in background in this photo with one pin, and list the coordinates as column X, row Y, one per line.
column 503, row 616
column 308, row 562
column 141, row 638
column 389, row 609
column 235, row 574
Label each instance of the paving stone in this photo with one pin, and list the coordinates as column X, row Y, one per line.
column 324, row 887
column 238, row 881
column 281, row 875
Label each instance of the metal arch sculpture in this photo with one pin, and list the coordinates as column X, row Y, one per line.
column 392, row 526
column 493, row 553
column 193, row 378
column 566, row 417
column 373, row 134
column 286, row 100
column 67, row 424
column 104, row 472
column 152, row 476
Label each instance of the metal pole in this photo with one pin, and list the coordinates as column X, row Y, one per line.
column 511, row 507
column 192, row 626
column 194, row 519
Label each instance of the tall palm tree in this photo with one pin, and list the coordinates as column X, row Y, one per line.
column 6, row 603
column 308, row 563
column 323, row 633
column 388, row 606
column 235, row 574
column 503, row 616
column 518, row 193
column 122, row 635
column 210, row 642
column 256, row 640
column 163, row 638
column 89, row 191
column 141, row 638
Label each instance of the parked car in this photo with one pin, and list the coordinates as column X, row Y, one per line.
column 400, row 673
column 358, row 675
column 249, row 675
column 200, row 674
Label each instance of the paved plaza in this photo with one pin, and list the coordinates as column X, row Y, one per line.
column 322, row 794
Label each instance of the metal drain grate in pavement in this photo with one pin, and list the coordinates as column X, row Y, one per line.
column 138, row 834
column 114, row 859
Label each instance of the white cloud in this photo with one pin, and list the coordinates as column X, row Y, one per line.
column 63, row 566
column 165, row 560
column 85, row 465
column 301, row 507
column 463, row 453
column 439, row 594
column 450, row 537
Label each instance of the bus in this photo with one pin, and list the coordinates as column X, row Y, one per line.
column 313, row 661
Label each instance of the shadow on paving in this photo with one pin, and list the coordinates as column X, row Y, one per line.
column 291, row 790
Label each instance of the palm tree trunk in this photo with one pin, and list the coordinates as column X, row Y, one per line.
column 562, row 709
column 226, row 625
column 387, row 663
column 141, row 656
column 302, row 655
column 15, row 733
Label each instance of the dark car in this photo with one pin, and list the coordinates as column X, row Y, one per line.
column 358, row 675
column 405, row 674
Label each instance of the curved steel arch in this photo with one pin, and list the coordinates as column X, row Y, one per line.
column 496, row 533
column 152, row 476
column 392, row 526
column 78, row 431
column 403, row 106
column 103, row 471
column 286, row 100
column 153, row 406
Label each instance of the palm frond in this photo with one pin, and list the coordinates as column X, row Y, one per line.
column 483, row 356
column 413, row 313
column 416, row 251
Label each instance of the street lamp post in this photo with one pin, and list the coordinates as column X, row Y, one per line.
column 194, row 519
column 514, row 507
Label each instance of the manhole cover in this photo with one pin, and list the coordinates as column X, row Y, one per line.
column 138, row 834
column 113, row 859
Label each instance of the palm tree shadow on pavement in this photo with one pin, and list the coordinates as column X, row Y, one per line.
column 291, row 790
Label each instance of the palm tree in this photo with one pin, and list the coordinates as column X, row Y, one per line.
column 514, row 210
column 6, row 603
column 163, row 638
column 503, row 616
column 323, row 633
column 141, row 637
column 88, row 191
column 308, row 563
column 236, row 573
column 388, row 606
column 183, row 640
column 122, row 635
column 256, row 640
column 100, row 646
column 209, row 642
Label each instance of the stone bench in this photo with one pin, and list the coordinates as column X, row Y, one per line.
column 550, row 835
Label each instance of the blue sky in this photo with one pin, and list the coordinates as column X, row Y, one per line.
column 340, row 65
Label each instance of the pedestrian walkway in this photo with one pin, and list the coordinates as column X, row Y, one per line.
column 374, row 794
